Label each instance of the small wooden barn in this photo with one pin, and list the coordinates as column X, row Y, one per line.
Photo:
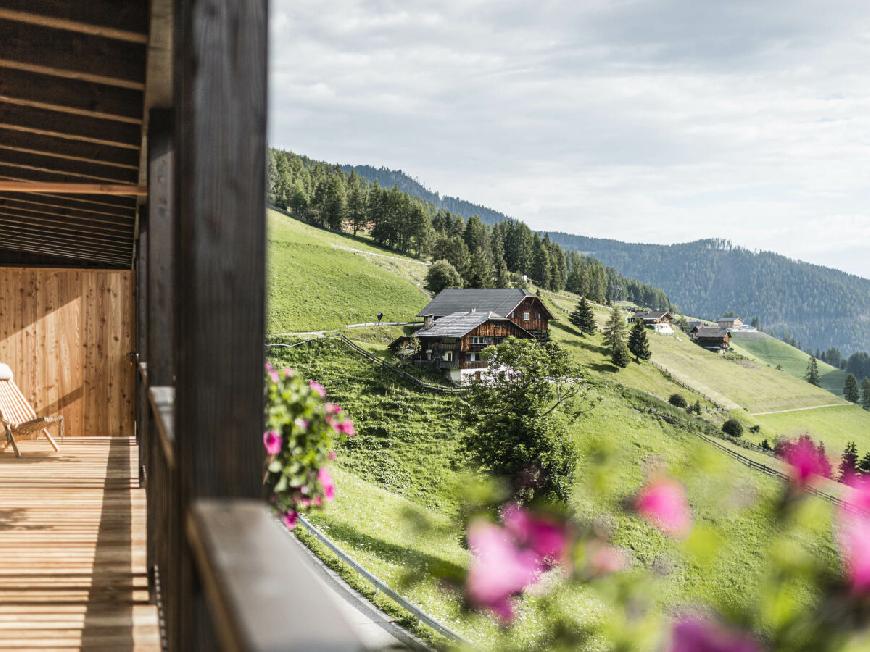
column 712, row 338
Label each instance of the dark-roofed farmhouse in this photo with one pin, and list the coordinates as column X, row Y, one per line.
column 453, row 343
column 519, row 306
column 712, row 338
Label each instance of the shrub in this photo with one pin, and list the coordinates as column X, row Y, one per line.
column 678, row 400
column 733, row 428
column 755, row 429
column 442, row 275
column 765, row 444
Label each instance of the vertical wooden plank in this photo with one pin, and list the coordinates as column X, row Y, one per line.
column 220, row 89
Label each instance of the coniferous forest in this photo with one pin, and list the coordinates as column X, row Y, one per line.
column 484, row 255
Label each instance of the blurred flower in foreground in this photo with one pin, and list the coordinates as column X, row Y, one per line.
column 663, row 503
column 604, row 559
column 806, row 461
column 696, row 634
column 545, row 536
column 854, row 535
column 499, row 570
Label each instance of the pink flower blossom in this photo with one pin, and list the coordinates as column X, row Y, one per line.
column 499, row 569
column 326, row 484
column 547, row 537
column 270, row 371
column 287, row 372
column 300, row 423
column 331, row 456
column 694, row 634
column 272, row 442
column 805, row 461
column 858, row 494
column 332, row 409
column 317, row 388
column 604, row 559
column 346, row 428
column 663, row 503
column 290, row 519
column 854, row 537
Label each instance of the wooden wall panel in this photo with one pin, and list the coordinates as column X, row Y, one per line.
column 67, row 333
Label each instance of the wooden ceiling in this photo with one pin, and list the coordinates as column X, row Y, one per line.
column 72, row 86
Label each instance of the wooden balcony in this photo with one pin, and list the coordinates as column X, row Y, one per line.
column 72, row 543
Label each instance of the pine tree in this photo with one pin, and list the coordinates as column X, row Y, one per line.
column 583, row 317
column 614, row 336
column 812, row 375
column 849, row 462
column 850, row 390
column 864, row 464
column 865, row 388
column 638, row 343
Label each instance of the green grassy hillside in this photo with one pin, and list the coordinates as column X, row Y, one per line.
column 319, row 280
column 402, row 466
column 773, row 352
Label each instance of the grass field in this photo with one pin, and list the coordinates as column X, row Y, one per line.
column 319, row 280
column 836, row 426
column 405, row 459
column 771, row 351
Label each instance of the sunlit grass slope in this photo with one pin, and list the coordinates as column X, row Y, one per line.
column 319, row 280
column 773, row 352
column 836, row 426
column 405, row 460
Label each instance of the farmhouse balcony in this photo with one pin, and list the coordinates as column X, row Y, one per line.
column 132, row 295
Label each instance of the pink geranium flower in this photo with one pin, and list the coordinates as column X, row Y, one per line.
column 317, row 388
column 326, row 483
column 331, row 456
column 270, row 371
column 547, row 537
column 346, row 428
column 663, row 503
column 854, row 535
column 806, row 462
column 499, row 569
column 332, row 409
column 272, row 442
column 300, row 423
column 290, row 519
column 695, row 634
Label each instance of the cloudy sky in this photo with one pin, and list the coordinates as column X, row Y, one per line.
column 641, row 120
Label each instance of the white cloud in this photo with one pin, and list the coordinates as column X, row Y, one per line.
column 661, row 121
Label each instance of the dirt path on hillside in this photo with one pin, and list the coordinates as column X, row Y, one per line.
column 801, row 409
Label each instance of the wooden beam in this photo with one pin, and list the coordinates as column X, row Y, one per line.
column 70, row 127
column 75, row 204
column 220, row 135
column 71, row 150
column 71, row 96
column 91, row 17
column 79, row 228
column 235, row 543
column 59, row 53
column 104, row 222
column 85, row 171
column 66, row 238
column 72, row 188
column 22, row 244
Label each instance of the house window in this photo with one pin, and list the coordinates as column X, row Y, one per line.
column 472, row 357
column 525, row 316
column 447, row 356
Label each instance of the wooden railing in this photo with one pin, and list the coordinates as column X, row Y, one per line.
column 259, row 592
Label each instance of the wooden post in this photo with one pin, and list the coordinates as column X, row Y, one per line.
column 220, row 92
column 161, row 335
column 142, row 340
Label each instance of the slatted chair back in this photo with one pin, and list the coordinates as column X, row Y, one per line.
column 14, row 408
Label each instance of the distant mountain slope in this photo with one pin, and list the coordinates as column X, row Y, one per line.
column 818, row 306
column 389, row 178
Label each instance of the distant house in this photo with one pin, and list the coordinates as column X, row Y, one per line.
column 730, row 323
column 652, row 317
column 519, row 306
column 661, row 321
column 453, row 343
column 712, row 338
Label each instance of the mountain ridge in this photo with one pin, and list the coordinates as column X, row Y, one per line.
column 817, row 306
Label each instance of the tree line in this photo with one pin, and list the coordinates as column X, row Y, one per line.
column 505, row 254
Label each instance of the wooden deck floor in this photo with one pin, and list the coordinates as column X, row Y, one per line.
column 72, row 548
